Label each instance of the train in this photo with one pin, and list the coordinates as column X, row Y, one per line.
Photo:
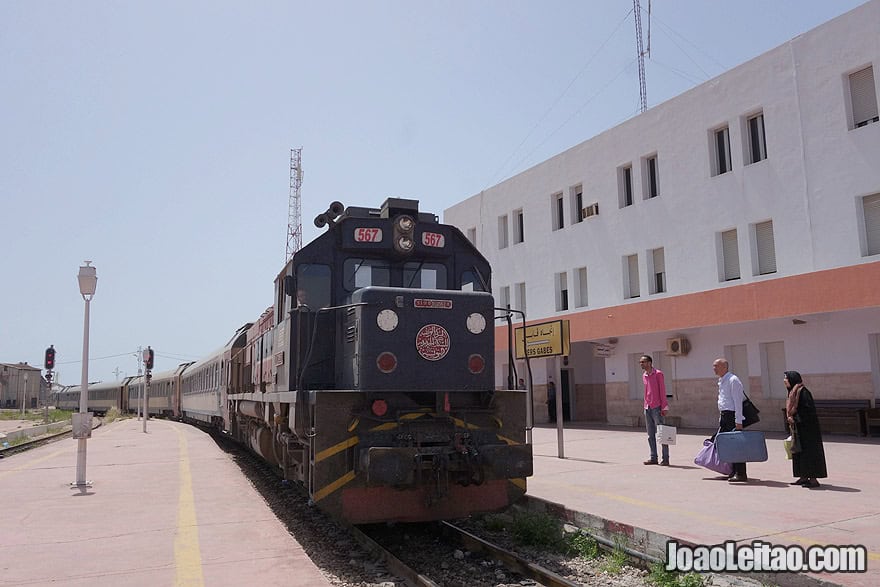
column 370, row 380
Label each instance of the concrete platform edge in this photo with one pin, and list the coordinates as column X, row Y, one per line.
column 651, row 543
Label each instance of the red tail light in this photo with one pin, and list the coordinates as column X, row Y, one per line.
column 476, row 364
column 386, row 362
column 380, row 407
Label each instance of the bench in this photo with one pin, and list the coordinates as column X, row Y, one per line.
column 841, row 416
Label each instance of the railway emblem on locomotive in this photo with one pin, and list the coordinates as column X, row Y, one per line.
column 432, row 342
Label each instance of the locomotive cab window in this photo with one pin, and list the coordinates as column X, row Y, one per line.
column 359, row 272
column 313, row 286
column 472, row 281
column 423, row 275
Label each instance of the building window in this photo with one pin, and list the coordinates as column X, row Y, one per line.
column 561, row 292
column 652, row 185
column 520, row 293
column 582, row 299
column 577, row 203
column 631, row 276
column 863, row 97
column 871, row 211
column 757, row 139
column 658, row 271
column 504, row 297
column 472, row 235
column 502, row 232
column 558, row 211
column 721, row 151
column 518, row 227
column 764, row 247
column 625, row 185
column 729, row 255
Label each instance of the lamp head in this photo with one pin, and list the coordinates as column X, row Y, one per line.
column 88, row 280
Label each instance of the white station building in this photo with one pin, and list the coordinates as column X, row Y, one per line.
column 740, row 219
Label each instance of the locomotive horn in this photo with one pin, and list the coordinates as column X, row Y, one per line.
column 336, row 208
column 321, row 220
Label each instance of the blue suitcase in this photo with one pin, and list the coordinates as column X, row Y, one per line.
column 741, row 446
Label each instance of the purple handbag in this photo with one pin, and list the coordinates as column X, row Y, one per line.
column 708, row 457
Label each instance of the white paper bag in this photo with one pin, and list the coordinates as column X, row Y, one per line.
column 666, row 434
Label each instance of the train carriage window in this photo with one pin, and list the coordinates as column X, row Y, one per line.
column 424, row 275
column 358, row 273
column 313, row 287
column 472, row 281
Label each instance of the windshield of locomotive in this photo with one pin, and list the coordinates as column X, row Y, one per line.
column 359, row 272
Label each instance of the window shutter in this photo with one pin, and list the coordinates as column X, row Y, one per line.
column 730, row 252
column 659, row 261
column 766, row 249
column 872, row 222
column 633, row 270
column 864, row 96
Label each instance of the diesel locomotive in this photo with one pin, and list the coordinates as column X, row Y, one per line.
column 370, row 381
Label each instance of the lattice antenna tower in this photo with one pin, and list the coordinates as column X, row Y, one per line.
column 294, row 205
column 643, row 86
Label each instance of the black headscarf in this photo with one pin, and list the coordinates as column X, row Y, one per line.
column 793, row 377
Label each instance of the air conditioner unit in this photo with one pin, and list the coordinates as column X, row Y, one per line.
column 591, row 210
column 678, row 346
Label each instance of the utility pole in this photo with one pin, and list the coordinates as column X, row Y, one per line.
column 148, row 367
column 643, row 86
column 294, row 205
column 139, row 356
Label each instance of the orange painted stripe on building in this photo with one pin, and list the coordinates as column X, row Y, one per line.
column 832, row 290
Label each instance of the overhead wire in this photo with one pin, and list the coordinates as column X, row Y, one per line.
column 501, row 169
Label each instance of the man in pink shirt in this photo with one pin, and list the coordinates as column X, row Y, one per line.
column 655, row 407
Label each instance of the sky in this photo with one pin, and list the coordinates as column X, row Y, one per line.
column 153, row 138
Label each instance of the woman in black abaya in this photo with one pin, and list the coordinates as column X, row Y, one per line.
column 808, row 463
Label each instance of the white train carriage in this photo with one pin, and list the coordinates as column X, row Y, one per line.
column 164, row 392
column 68, row 398
column 102, row 397
column 205, row 383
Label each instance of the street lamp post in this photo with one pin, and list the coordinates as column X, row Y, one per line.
column 24, row 397
column 88, row 281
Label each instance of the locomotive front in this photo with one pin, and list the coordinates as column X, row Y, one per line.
column 414, row 429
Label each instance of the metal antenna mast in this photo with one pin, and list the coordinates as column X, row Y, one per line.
column 294, row 205
column 643, row 88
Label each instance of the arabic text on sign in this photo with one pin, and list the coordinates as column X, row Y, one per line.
column 365, row 234
column 425, row 303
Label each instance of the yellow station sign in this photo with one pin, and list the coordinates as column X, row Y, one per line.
column 548, row 339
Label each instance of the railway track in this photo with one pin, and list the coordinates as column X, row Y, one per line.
column 500, row 566
column 34, row 443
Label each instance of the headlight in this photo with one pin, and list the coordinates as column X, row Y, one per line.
column 476, row 323
column 387, row 320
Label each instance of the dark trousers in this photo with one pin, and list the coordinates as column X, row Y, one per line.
column 551, row 409
column 727, row 423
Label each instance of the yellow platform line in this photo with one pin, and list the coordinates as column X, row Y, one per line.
column 32, row 463
column 187, row 553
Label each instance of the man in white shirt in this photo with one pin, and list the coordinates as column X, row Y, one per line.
column 730, row 400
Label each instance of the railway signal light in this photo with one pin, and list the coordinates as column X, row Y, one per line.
column 148, row 358
column 49, row 363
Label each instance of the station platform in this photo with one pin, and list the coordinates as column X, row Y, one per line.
column 602, row 477
column 168, row 507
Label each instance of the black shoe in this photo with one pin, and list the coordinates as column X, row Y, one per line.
column 800, row 481
column 811, row 484
column 737, row 478
column 650, row 462
column 664, row 463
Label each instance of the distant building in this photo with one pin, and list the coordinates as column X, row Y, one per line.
column 739, row 219
column 20, row 382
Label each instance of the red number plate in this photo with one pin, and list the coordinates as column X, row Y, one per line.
column 367, row 235
column 433, row 239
